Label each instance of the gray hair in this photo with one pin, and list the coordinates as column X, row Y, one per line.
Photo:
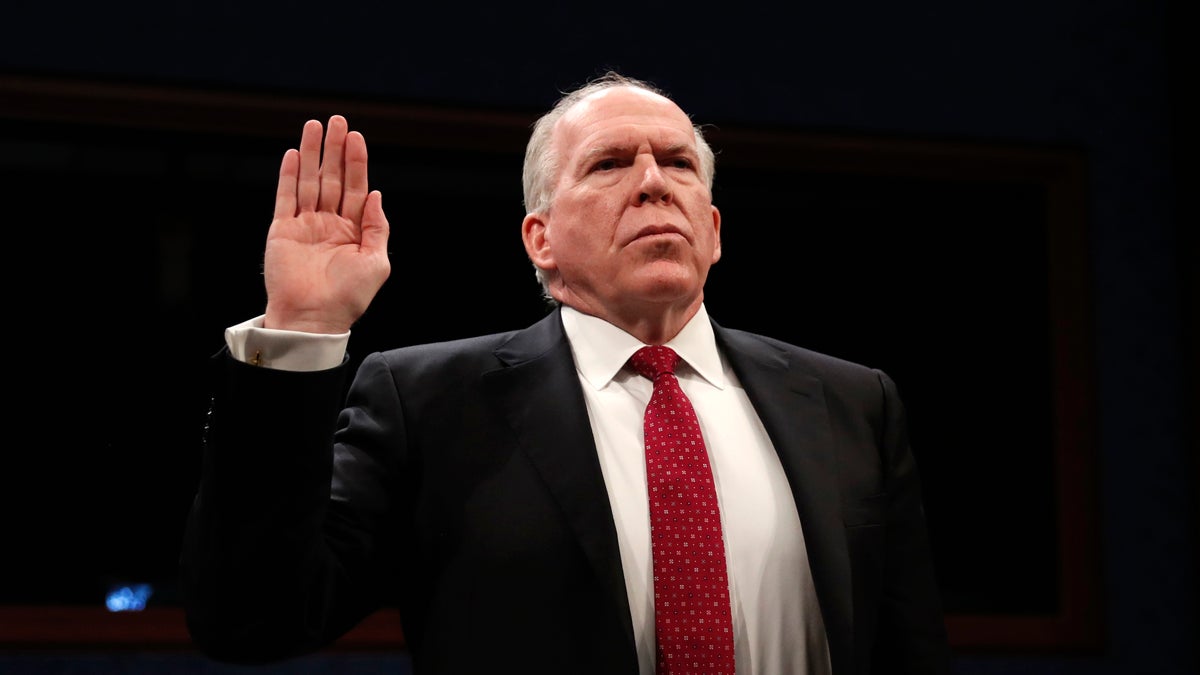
column 542, row 161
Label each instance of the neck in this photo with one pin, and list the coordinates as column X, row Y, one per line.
column 652, row 325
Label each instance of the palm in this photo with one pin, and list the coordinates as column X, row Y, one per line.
column 326, row 250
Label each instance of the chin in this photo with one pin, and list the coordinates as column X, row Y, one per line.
column 667, row 290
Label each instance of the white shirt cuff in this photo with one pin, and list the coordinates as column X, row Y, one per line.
column 293, row 350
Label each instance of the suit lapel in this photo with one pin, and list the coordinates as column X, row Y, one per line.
column 791, row 404
column 539, row 394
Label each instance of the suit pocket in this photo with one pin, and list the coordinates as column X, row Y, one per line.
column 864, row 511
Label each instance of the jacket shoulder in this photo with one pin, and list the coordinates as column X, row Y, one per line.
column 814, row 362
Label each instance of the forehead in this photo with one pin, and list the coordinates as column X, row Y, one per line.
column 615, row 114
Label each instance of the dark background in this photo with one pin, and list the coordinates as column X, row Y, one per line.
column 129, row 249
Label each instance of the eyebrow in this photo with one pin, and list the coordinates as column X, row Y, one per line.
column 608, row 150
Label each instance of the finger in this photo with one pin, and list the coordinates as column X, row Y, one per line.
column 354, row 195
column 333, row 164
column 308, row 188
column 375, row 226
column 285, row 192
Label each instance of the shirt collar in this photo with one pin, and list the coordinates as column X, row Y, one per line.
column 601, row 349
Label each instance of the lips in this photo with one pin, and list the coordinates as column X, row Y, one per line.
column 652, row 230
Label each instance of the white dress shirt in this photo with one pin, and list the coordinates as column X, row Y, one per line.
column 777, row 622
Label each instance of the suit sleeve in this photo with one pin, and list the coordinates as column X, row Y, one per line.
column 911, row 635
column 270, row 567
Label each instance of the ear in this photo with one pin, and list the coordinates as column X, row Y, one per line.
column 537, row 243
column 716, row 216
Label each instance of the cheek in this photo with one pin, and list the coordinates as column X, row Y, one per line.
column 575, row 243
column 592, row 225
column 702, row 225
column 585, row 226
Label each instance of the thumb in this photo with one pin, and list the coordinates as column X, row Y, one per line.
column 375, row 228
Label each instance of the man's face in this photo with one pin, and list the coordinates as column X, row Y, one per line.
column 631, row 228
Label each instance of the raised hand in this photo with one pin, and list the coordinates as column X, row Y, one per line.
column 326, row 253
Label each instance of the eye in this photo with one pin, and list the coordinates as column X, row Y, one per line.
column 605, row 165
column 681, row 163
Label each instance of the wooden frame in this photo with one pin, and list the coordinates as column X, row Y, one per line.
column 1076, row 625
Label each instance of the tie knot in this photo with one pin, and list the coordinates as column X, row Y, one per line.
column 652, row 361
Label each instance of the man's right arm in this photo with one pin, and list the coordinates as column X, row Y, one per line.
column 255, row 554
column 258, row 568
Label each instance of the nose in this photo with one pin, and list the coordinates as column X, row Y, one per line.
column 653, row 185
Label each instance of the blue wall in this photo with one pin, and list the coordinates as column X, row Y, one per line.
column 1087, row 75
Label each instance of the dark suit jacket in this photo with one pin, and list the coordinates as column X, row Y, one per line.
column 465, row 489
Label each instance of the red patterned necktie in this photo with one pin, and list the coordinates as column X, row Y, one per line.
column 692, row 619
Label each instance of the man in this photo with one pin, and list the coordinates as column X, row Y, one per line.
column 494, row 489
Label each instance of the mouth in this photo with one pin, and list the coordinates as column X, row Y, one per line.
column 658, row 230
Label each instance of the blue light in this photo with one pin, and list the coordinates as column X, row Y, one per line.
column 128, row 598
